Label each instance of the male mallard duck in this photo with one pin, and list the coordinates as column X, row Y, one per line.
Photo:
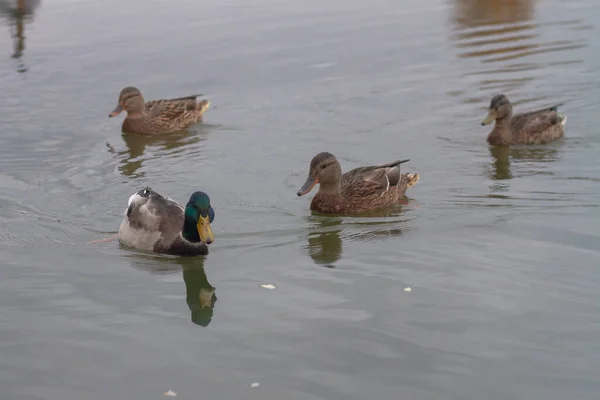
column 534, row 127
column 358, row 190
column 158, row 116
column 156, row 223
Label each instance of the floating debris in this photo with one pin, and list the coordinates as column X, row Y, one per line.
column 170, row 393
column 268, row 286
column 255, row 384
column 407, row 289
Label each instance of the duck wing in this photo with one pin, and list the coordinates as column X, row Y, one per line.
column 168, row 109
column 189, row 101
column 536, row 121
column 156, row 216
column 374, row 179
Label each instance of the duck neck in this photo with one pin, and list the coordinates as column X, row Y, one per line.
column 137, row 114
column 137, row 110
column 331, row 188
column 190, row 230
column 502, row 128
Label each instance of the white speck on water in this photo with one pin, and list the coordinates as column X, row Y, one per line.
column 255, row 384
column 170, row 393
column 407, row 289
column 324, row 65
column 268, row 286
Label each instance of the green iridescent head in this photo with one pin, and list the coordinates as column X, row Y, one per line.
column 199, row 214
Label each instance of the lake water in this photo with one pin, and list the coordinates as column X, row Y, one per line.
column 500, row 247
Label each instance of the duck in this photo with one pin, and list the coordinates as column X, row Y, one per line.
column 359, row 190
column 534, row 127
column 158, row 116
column 156, row 223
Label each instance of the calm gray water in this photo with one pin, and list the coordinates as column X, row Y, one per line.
column 500, row 247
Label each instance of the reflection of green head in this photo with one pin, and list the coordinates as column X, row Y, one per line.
column 200, row 295
column 201, row 316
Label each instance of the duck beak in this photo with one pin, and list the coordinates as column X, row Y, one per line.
column 116, row 111
column 490, row 118
column 204, row 230
column 308, row 185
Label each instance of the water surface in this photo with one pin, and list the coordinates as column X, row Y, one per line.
column 499, row 246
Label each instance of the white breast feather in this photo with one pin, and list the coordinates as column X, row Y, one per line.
column 132, row 199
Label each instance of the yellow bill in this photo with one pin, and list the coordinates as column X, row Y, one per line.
column 204, row 230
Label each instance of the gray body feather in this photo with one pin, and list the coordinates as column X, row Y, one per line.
column 153, row 222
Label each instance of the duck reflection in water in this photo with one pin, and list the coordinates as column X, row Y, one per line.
column 474, row 13
column 494, row 32
column 324, row 242
column 533, row 157
column 200, row 295
column 132, row 157
column 501, row 156
column 18, row 12
column 325, row 236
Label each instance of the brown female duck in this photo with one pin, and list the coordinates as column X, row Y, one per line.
column 534, row 127
column 361, row 189
column 158, row 116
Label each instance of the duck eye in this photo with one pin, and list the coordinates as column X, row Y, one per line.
column 323, row 166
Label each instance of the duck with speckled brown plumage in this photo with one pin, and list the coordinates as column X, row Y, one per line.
column 158, row 116
column 534, row 127
column 359, row 190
